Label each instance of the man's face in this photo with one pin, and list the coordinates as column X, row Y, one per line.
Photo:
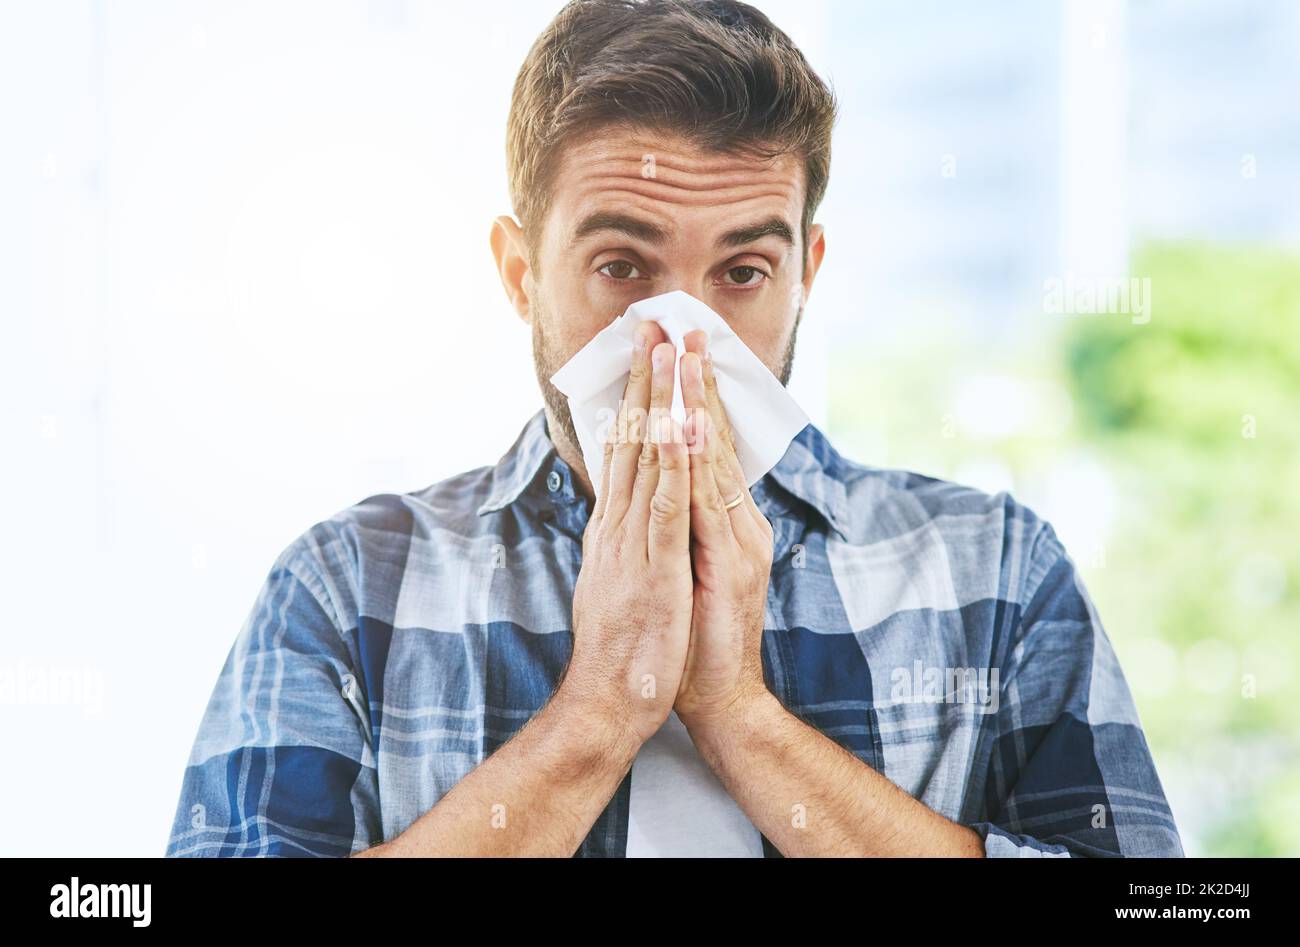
column 636, row 214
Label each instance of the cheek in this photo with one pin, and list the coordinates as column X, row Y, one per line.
column 568, row 321
column 768, row 350
column 766, row 332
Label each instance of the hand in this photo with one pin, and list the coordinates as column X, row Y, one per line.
column 731, row 551
column 632, row 601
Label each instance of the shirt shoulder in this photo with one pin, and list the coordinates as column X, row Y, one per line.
column 353, row 562
column 967, row 543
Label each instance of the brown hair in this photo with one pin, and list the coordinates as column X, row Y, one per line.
column 717, row 71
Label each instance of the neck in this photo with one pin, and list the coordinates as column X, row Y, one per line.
column 571, row 454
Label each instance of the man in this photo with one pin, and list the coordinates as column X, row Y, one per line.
column 839, row 661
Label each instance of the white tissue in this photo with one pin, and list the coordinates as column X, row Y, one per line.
column 764, row 418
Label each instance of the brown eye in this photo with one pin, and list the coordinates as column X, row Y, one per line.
column 619, row 270
column 744, row 275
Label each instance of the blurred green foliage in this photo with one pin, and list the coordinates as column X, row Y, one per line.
column 1198, row 415
column 1194, row 418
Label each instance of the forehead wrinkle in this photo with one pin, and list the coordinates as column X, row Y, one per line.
column 685, row 157
column 605, row 175
column 686, row 179
column 652, row 191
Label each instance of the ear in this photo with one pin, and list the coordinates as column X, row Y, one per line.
column 510, row 251
column 816, row 250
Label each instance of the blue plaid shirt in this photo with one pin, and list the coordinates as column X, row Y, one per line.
column 939, row 634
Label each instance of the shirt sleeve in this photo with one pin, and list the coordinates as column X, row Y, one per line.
column 1070, row 772
column 282, row 764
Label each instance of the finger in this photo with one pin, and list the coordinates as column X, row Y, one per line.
column 697, row 341
column 695, row 395
column 602, row 494
column 730, row 488
column 628, row 432
column 663, row 375
column 727, row 443
column 670, row 507
column 710, row 523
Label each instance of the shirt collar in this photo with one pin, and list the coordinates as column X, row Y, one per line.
column 519, row 466
column 810, row 470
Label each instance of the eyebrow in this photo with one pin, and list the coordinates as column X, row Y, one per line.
column 614, row 222
column 772, row 227
column 638, row 229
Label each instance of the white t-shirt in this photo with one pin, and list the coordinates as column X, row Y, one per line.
column 679, row 808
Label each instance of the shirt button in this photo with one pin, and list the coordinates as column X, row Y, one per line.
column 554, row 481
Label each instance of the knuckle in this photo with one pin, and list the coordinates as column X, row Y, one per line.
column 648, row 459
column 635, row 430
column 709, row 503
column 664, row 507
